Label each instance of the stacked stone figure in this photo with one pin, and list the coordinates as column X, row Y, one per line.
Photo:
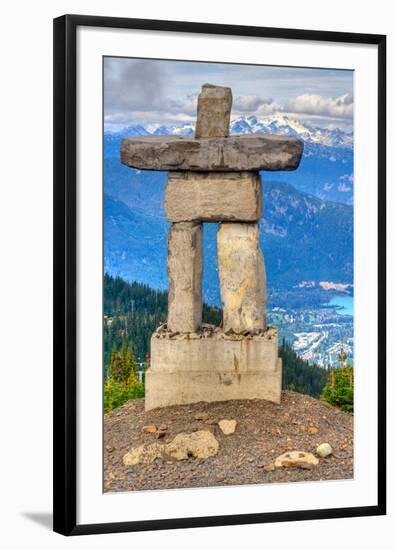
column 214, row 178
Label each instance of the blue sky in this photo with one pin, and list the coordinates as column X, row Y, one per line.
column 141, row 91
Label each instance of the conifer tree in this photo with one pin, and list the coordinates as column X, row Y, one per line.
column 339, row 388
column 116, row 366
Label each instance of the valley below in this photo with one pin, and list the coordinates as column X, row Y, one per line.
column 318, row 333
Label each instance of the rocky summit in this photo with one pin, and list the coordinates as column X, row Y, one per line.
column 135, row 460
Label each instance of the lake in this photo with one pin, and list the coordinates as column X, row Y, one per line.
column 343, row 304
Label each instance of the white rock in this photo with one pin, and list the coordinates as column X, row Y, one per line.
column 227, row 426
column 323, row 450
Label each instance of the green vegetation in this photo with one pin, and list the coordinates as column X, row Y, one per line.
column 339, row 388
column 299, row 375
column 121, row 383
column 115, row 394
column 132, row 313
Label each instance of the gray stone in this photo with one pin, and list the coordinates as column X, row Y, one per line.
column 242, row 277
column 213, row 197
column 235, row 153
column 185, row 277
column 216, row 368
column 213, row 112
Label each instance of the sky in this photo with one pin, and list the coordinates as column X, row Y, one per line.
column 147, row 92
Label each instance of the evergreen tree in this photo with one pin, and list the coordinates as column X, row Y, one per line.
column 115, row 371
column 122, row 383
column 339, row 388
column 298, row 375
column 122, row 363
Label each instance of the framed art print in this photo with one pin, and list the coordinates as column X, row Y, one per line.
column 219, row 275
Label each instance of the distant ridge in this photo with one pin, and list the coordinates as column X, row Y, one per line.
column 303, row 237
column 278, row 123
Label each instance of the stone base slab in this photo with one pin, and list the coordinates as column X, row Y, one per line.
column 214, row 367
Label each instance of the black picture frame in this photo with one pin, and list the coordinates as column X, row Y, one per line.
column 65, row 263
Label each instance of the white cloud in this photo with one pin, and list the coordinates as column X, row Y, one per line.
column 186, row 106
column 154, row 91
column 133, row 85
column 313, row 104
column 260, row 105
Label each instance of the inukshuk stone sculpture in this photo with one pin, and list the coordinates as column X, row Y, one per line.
column 214, row 178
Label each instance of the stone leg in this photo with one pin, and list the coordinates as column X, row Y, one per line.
column 242, row 277
column 185, row 277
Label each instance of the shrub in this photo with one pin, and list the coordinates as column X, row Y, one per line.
column 116, row 393
column 339, row 388
column 122, row 383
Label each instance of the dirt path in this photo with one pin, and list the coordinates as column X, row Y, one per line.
column 263, row 432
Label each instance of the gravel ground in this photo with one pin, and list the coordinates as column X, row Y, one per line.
column 264, row 431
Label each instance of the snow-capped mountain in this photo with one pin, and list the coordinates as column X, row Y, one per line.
column 176, row 130
column 326, row 169
column 307, row 227
column 131, row 130
column 279, row 124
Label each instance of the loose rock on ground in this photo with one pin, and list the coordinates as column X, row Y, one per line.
column 201, row 444
column 264, row 432
column 227, row 426
column 323, row 450
column 296, row 459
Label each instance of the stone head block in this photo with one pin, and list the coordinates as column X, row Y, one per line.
column 213, row 112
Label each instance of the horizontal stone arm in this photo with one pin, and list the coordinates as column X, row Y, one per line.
column 235, row 153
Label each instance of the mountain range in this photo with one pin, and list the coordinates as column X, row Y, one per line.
column 326, row 169
column 306, row 229
column 272, row 124
column 302, row 238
